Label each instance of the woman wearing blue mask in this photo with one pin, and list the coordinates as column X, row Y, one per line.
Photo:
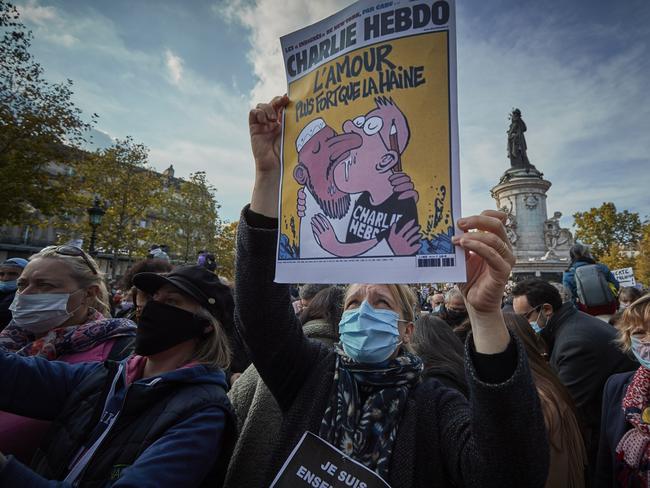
column 624, row 448
column 60, row 312
column 366, row 396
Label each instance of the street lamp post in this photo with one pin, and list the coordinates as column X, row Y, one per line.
column 95, row 214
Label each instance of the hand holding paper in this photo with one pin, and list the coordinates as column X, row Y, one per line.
column 489, row 262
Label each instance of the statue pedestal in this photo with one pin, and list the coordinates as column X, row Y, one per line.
column 540, row 245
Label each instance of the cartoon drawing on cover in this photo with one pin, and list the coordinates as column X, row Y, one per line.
column 359, row 203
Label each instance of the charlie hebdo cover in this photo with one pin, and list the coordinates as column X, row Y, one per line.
column 370, row 176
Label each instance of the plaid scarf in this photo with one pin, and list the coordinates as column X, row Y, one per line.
column 366, row 429
column 65, row 340
column 633, row 450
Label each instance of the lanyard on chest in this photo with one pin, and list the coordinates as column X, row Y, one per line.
column 110, row 413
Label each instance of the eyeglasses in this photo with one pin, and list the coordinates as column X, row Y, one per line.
column 530, row 312
column 74, row 251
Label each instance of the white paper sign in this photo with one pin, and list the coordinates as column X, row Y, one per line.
column 625, row 276
column 370, row 174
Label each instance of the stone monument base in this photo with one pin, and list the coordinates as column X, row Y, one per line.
column 548, row 270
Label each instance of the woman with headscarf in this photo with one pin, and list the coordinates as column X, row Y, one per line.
column 366, row 397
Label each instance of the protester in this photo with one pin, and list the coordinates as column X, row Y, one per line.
column 159, row 418
column 441, row 352
column 580, row 256
column 454, row 311
column 568, row 454
column 59, row 314
column 627, row 295
column 306, row 293
column 140, row 297
column 437, row 300
column 365, row 397
column 258, row 415
column 9, row 272
column 624, row 450
column 581, row 348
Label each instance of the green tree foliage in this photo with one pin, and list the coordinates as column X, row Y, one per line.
column 122, row 178
column 225, row 250
column 607, row 231
column 37, row 121
column 187, row 217
column 642, row 264
column 616, row 258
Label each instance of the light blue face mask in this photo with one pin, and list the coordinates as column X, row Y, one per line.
column 535, row 324
column 369, row 335
column 8, row 286
column 536, row 327
column 641, row 351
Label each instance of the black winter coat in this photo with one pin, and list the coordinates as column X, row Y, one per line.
column 584, row 354
column 498, row 439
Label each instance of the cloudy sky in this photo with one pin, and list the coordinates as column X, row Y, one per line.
column 180, row 76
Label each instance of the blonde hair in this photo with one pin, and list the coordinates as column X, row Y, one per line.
column 636, row 317
column 404, row 297
column 82, row 275
column 213, row 350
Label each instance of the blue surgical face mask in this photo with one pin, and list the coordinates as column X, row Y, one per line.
column 8, row 286
column 437, row 308
column 641, row 351
column 535, row 323
column 369, row 335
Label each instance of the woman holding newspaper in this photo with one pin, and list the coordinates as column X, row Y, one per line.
column 366, row 397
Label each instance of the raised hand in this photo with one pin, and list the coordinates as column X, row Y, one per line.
column 406, row 241
column 489, row 263
column 265, row 126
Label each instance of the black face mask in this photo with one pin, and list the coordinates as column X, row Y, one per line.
column 162, row 326
column 453, row 317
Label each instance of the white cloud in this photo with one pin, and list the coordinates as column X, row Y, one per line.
column 38, row 14
column 579, row 113
column 267, row 22
column 585, row 117
column 174, row 65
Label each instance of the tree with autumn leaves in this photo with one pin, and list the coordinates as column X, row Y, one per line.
column 617, row 239
column 39, row 128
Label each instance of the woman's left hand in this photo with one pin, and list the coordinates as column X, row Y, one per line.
column 489, row 263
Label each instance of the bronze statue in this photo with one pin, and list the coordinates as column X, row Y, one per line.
column 517, row 142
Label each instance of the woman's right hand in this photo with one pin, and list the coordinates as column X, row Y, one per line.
column 265, row 125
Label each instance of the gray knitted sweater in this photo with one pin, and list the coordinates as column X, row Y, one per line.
column 496, row 438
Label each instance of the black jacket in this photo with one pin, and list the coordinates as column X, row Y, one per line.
column 584, row 354
column 176, row 428
column 613, row 427
column 497, row 439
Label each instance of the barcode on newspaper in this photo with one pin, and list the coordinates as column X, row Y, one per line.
column 432, row 262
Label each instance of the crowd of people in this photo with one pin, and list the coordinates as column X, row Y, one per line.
column 178, row 378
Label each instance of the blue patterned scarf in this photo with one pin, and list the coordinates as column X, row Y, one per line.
column 365, row 412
